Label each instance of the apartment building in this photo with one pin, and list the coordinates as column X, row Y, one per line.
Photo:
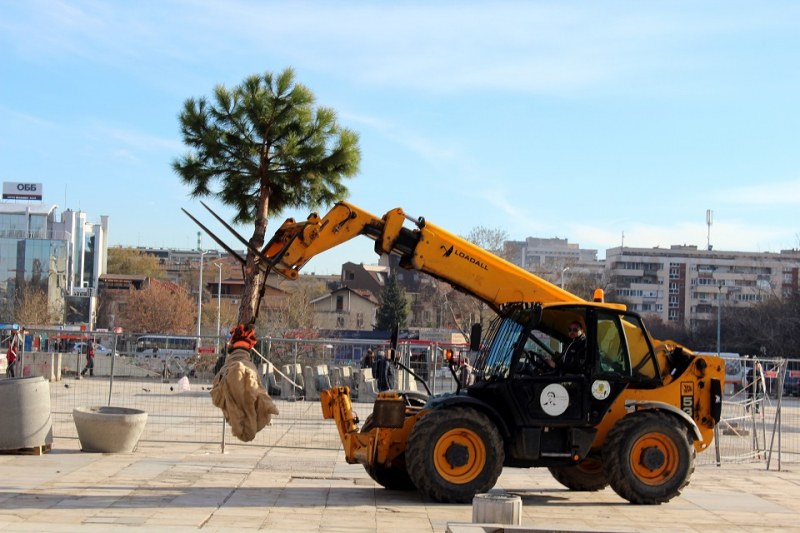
column 558, row 261
column 686, row 284
column 547, row 254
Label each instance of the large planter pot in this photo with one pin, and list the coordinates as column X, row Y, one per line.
column 109, row 429
column 25, row 418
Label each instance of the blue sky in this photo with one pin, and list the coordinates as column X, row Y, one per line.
column 578, row 120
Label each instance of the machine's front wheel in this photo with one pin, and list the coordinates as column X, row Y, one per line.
column 587, row 476
column 453, row 454
column 648, row 458
column 393, row 477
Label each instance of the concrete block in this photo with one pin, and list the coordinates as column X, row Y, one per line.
column 497, row 509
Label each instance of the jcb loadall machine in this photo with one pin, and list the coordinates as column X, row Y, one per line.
column 631, row 415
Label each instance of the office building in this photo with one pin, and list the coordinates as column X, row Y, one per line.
column 63, row 256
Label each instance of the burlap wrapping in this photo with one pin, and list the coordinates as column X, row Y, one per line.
column 237, row 391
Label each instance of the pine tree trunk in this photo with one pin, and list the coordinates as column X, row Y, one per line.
column 254, row 277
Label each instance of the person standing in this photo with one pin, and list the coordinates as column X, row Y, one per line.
column 369, row 359
column 11, row 359
column 89, row 360
column 384, row 372
column 754, row 385
column 465, row 375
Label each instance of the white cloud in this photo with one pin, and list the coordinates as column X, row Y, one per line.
column 139, row 140
column 785, row 193
column 126, row 155
column 440, row 47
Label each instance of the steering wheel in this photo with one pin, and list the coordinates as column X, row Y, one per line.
column 533, row 363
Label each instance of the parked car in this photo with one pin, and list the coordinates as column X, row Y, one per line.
column 791, row 384
column 99, row 349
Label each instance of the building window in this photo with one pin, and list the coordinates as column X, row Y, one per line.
column 340, row 303
column 673, row 288
column 340, row 321
column 359, row 320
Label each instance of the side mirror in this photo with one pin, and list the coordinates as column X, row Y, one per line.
column 475, row 337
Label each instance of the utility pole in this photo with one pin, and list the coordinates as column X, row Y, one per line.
column 719, row 319
column 709, row 221
column 199, row 290
column 219, row 300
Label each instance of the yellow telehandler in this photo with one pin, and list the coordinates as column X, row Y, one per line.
column 630, row 413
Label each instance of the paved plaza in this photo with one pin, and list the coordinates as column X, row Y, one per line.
column 177, row 487
column 293, row 478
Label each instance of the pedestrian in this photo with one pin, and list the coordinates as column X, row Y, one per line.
column 369, row 359
column 384, row 372
column 11, row 359
column 754, row 385
column 89, row 360
column 465, row 375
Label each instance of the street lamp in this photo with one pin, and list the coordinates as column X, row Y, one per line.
column 719, row 318
column 563, row 271
column 200, row 290
column 219, row 299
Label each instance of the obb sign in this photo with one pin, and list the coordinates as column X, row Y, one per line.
column 22, row 191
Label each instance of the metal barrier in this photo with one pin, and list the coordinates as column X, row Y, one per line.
column 761, row 413
column 760, row 419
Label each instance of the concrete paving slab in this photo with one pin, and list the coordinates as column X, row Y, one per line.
column 184, row 486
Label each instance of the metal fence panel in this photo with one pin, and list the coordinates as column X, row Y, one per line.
column 760, row 423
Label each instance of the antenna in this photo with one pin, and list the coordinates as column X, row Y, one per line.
column 622, row 244
column 709, row 221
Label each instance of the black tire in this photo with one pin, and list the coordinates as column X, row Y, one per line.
column 647, row 457
column 393, row 477
column 586, row 476
column 454, row 454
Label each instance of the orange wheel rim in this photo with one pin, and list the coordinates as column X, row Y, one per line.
column 459, row 456
column 654, row 458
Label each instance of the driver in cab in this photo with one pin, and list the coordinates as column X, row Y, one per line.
column 573, row 359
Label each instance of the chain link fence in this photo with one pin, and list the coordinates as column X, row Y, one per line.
column 761, row 407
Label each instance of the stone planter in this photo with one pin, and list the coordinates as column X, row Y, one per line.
column 25, row 419
column 109, row 429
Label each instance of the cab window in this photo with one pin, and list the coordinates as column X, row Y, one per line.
column 612, row 354
column 643, row 361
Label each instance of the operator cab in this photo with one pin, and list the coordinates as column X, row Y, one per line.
column 530, row 340
column 554, row 408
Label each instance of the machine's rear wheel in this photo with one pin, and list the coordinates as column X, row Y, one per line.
column 586, row 476
column 453, row 454
column 393, row 477
column 648, row 458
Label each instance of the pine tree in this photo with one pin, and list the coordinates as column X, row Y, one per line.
column 394, row 306
column 262, row 147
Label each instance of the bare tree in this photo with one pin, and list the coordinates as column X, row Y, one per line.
column 32, row 306
column 159, row 308
column 292, row 313
column 133, row 262
column 466, row 309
